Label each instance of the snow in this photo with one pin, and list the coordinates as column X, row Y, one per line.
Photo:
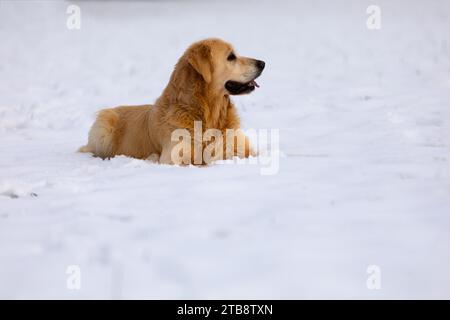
column 363, row 179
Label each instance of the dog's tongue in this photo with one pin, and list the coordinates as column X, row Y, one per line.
column 253, row 83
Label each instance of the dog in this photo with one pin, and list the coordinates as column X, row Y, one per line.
column 199, row 89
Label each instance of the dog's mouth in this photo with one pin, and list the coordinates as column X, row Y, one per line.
column 235, row 87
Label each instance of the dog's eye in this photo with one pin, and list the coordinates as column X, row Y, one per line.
column 231, row 57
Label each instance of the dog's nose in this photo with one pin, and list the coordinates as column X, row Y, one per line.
column 260, row 64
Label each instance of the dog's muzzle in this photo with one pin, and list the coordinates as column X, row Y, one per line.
column 236, row 87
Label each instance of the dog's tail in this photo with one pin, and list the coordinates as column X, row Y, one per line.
column 101, row 140
column 84, row 149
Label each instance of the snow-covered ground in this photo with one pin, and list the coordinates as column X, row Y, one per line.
column 364, row 173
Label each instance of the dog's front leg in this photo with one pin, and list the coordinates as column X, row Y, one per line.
column 178, row 153
column 237, row 144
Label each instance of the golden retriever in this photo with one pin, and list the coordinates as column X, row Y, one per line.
column 199, row 89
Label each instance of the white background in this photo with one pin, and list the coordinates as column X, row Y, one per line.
column 364, row 134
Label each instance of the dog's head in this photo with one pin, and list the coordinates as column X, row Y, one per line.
column 222, row 68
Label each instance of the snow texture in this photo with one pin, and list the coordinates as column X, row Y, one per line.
column 364, row 179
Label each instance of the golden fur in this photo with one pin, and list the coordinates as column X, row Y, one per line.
column 195, row 92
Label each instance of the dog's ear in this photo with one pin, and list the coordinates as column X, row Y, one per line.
column 199, row 57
